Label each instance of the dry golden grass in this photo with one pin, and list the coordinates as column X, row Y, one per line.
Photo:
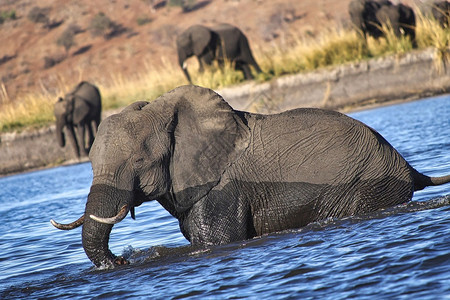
column 32, row 110
column 297, row 54
column 430, row 34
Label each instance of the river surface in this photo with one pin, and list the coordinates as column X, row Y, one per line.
column 398, row 253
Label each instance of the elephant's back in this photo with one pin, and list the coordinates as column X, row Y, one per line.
column 322, row 147
column 222, row 27
column 88, row 92
column 229, row 34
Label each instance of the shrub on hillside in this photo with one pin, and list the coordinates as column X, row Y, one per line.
column 102, row 25
column 39, row 15
column 143, row 20
column 67, row 38
column 187, row 5
column 50, row 61
column 7, row 15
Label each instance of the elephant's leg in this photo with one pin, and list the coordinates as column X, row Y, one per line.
column 73, row 140
column 398, row 31
column 81, row 134
column 200, row 65
column 411, row 33
column 249, row 60
column 90, row 135
column 256, row 66
column 95, row 124
column 222, row 221
column 245, row 68
column 206, row 58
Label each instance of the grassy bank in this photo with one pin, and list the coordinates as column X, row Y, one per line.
column 296, row 54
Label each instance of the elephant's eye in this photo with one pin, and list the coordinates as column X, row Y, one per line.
column 139, row 162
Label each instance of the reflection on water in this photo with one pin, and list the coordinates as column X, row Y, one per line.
column 401, row 252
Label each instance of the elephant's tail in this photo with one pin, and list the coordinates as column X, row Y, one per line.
column 421, row 181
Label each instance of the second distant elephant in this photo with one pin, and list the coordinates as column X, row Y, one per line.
column 369, row 16
column 81, row 109
column 219, row 43
column 441, row 12
column 401, row 18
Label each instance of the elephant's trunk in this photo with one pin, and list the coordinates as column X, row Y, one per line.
column 60, row 132
column 182, row 57
column 103, row 201
column 186, row 73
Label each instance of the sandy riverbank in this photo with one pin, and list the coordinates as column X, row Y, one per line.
column 348, row 87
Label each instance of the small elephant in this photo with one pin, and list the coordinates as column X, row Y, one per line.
column 441, row 12
column 219, row 43
column 369, row 16
column 230, row 175
column 80, row 108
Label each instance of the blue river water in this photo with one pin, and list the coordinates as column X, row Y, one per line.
column 398, row 253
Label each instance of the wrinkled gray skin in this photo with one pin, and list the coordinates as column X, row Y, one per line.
column 218, row 43
column 368, row 16
column 80, row 111
column 441, row 12
column 229, row 175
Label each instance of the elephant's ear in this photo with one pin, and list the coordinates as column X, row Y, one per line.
column 208, row 137
column 200, row 38
column 80, row 110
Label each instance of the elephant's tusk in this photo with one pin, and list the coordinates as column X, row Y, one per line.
column 113, row 220
column 70, row 226
column 133, row 216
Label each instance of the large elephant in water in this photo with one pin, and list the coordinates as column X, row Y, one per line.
column 80, row 109
column 230, row 175
column 369, row 16
column 219, row 43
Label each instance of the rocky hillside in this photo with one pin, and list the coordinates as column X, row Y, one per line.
column 46, row 44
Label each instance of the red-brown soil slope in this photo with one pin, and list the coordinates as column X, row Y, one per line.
column 144, row 37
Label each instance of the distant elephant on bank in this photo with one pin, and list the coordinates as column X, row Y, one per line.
column 81, row 109
column 219, row 43
column 230, row 175
column 401, row 18
column 363, row 16
column 369, row 16
column 441, row 12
